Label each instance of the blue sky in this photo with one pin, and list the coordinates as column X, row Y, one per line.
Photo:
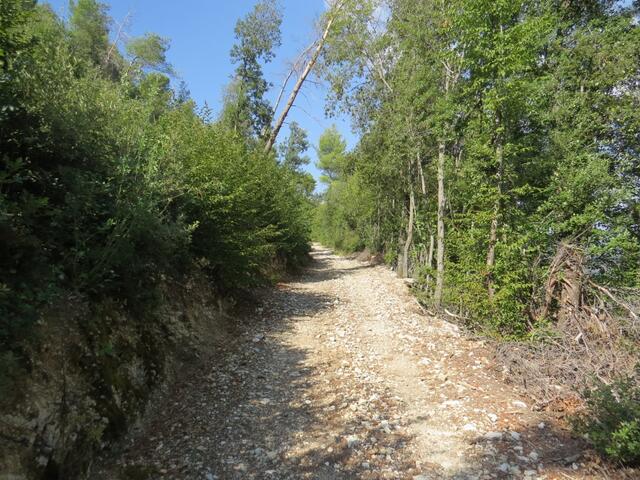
column 201, row 34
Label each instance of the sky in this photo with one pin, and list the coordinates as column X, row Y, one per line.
column 201, row 35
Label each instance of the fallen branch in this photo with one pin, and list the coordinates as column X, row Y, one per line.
column 451, row 314
column 615, row 300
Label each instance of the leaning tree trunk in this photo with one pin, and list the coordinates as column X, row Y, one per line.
column 307, row 69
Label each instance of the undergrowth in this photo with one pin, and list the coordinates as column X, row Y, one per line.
column 611, row 420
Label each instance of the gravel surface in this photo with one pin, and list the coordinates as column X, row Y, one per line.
column 338, row 374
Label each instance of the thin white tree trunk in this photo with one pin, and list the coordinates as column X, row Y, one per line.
column 493, row 229
column 440, row 228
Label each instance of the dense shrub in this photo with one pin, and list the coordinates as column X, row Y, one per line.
column 110, row 181
column 612, row 420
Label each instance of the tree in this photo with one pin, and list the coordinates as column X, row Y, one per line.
column 258, row 34
column 13, row 15
column 236, row 110
column 149, row 52
column 331, row 154
column 319, row 44
column 502, row 115
column 430, row 41
column 357, row 60
column 293, row 149
column 89, row 23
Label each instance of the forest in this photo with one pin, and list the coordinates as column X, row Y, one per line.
column 499, row 152
column 497, row 167
column 111, row 180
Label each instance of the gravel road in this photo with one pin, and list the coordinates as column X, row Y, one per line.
column 339, row 374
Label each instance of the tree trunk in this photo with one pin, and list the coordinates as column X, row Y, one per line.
column 493, row 229
column 403, row 270
column 429, row 263
column 421, row 174
column 449, row 79
column 571, row 285
column 440, row 228
column 301, row 79
column 430, row 254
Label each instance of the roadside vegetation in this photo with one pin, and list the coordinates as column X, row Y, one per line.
column 115, row 190
column 499, row 166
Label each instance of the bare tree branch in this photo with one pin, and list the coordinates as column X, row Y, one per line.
column 301, row 79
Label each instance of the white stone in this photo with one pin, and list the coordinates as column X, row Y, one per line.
column 352, row 441
column 469, row 427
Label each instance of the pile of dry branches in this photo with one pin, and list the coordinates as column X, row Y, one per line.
column 595, row 335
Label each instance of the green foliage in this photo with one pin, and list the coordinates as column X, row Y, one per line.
column 337, row 217
column 13, row 15
column 89, row 28
column 535, row 107
column 331, row 154
column 150, row 51
column 339, row 214
column 258, row 35
column 293, row 158
column 110, row 183
column 293, row 148
column 611, row 421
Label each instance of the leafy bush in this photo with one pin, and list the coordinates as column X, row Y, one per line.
column 110, row 181
column 612, row 420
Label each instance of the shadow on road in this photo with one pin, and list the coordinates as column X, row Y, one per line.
column 321, row 270
column 256, row 407
column 263, row 407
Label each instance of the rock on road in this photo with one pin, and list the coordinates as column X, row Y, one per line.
column 339, row 375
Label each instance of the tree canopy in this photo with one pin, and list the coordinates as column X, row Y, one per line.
column 495, row 136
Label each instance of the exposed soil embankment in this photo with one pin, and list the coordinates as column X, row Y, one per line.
column 93, row 367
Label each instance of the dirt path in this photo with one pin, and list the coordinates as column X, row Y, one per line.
column 340, row 376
